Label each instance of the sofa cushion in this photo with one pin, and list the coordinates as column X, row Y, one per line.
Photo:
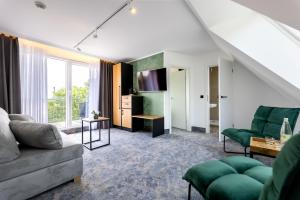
column 241, row 136
column 8, row 145
column 275, row 120
column 207, row 178
column 45, row 136
column 272, row 130
column 201, row 175
column 32, row 159
column 286, row 167
column 20, row 117
column 234, row 187
column 260, row 173
column 260, row 118
column 241, row 163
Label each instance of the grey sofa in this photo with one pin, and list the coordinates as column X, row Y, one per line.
column 38, row 170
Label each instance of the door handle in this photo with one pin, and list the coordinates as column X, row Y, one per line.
column 224, row 97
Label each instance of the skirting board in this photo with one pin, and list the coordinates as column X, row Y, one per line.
column 198, row 129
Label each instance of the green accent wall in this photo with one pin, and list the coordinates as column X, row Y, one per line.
column 153, row 101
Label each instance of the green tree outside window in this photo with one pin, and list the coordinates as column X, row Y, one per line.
column 57, row 105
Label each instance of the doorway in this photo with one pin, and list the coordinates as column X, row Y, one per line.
column 178, row 98
column 214, row 100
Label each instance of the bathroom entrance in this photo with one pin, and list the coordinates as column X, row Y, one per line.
column 214, row 99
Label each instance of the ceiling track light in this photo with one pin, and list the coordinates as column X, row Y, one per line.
column 94, row 32
column 132, row 9
column 40, row 5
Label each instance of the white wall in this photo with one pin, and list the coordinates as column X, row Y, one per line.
column 197, row 69
column 250, row 92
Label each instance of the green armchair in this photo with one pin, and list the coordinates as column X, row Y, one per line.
column 266, row 123
column 243, row 178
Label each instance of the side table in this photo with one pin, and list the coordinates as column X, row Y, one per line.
column 259, row 146
column 89, row 145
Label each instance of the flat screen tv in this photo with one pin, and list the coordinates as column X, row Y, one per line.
column 152, row 80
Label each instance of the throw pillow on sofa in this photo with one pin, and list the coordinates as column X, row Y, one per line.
column 20, row 117
column 44, row 136
column 8, row 145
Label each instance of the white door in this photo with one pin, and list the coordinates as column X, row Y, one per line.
column 225, row 95
column 178, row 98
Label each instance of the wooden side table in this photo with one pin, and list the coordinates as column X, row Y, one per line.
column 259, row 146
column 89, row 145
column 157, row 123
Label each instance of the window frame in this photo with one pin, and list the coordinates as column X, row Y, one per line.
column 68, row 85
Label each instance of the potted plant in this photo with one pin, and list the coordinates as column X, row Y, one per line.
column 95, row 114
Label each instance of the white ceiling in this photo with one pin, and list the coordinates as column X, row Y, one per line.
column 159, row 25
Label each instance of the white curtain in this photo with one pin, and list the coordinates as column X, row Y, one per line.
column 94, row 87
column 33, row 69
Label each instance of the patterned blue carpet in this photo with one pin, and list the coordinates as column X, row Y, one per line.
column 137, row 166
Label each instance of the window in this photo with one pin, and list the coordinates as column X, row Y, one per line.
column 68, row 92
column 56, row 70
column 80, row 93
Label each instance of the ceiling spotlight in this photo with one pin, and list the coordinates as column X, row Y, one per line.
column 133, row 10
column 40, row 5
column 95, row 34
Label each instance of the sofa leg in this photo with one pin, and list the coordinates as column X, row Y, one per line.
column 224, row 148
column 189, row 194
column 77, row 179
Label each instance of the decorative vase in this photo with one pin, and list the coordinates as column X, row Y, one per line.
column 96, row 116
column 286, row 131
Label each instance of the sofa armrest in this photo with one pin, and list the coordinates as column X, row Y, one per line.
column 21, row 117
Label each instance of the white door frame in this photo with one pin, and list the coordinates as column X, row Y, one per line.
column 221, row 116
column 208, row 97
column 187, row 98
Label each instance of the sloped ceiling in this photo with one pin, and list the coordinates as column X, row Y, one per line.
column 254, row 40
column 158, row 26
column 287, row 12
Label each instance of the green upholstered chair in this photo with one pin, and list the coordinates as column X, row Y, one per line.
column 243, row 178
column 266, row 123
